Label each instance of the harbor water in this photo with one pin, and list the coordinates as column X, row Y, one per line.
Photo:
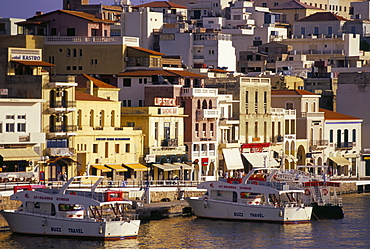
column 190, row 232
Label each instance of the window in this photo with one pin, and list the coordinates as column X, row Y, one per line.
column 112, row 118
column 140, row 81
column 296, row 17
column 264, row 4
column 1, row 127
column 211, row 51
column 79, row 67
column 141, row 102
column 74, row 67
column 9, row 116
column 330, row 30
column 71, row 32
column 303, row 30
column 124, row 102
column 276, row 4
column 204, row 129
column 10, row 127
column 74, row 52
column 316, row 30
column 21, row 127
column 53, row 31
column 127, row 148
column 129, row 103
column 353, row 135
column 116, row 148
column 80, row 52
column 91, row 121
column 237, row 17
column 156, row 131
column 196, row 130
column 331, row 136
column 127, row 82
column 68, row 52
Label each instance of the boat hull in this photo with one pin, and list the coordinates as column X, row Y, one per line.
column 227, row 210
column 89, row 228
column 321, row 212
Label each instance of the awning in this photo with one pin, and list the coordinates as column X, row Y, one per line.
column 35, row 63
column 136, row 166
column 184, row 166
column 340, row 161
column 19, row 154
column 101, row 167
column 63, row 158
column 233, row 159
column 167, row 166
column 258, row 160
column 116, row 167
column 273, row 162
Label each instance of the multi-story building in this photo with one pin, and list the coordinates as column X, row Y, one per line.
column 8, row 26
column 344, row 149
column 342, row 7
column 172, row 12
column 21, row 137
column 164, row 148
column 310, row 142
column 140, row 24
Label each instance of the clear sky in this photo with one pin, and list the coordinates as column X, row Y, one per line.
column 27, row 8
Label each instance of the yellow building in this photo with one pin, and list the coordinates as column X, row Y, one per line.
column 102, row 146
column 164, row 148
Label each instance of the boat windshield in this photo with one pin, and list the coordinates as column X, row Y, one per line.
column 70, row 207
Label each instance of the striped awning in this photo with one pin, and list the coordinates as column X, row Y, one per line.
column 19, row 154
column 116, row 167
column 136, row 166
column 101, row 167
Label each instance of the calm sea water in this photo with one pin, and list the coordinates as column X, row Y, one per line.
column 190, row 232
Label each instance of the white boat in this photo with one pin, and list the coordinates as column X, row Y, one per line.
column 63, row 212
column 319, row 191
column 239, row 199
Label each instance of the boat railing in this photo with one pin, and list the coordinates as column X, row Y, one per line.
column 275, row 185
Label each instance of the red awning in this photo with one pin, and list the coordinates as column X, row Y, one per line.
column 35, row 63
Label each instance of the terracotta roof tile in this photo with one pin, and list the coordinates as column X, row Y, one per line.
column 161, row 4
column 147, row 50
column 322, row 17
column 294, row 4
column 335, row 115
column 71, row 12
column 291, row 92
column 87, row 97
column 97, row 83
column 163, row 72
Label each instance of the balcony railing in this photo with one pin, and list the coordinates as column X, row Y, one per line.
column 63, row 128
column 318, row 144
column 62, row 104
column 169, row 142
column 344, row 145
column 207, row 113
column 59, row 151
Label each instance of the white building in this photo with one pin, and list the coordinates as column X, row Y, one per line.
column 8, row 26
column 141, row 23
column 21, row 138
column 343, row 153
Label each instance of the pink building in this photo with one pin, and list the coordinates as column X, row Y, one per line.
column 66, row 23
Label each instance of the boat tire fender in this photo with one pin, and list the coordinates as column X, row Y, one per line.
column 325, row 191
column 307, row 191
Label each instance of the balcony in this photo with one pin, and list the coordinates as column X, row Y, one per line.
column 318, row 144
column 344, row 145
column 62, row 131
column 62, row 106
column 60, row 151
column 60, row 81
column 91, row 40
column 228, row 121
column 207, row 113
column 199, row 92
column 277, row 139
column 169, row 142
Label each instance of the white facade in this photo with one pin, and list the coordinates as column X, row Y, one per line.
column 141, row 24
column 133, row 95
column 21, row 118
column 9, row 26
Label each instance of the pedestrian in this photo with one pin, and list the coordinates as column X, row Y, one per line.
column 226, row 175
column 65, row 176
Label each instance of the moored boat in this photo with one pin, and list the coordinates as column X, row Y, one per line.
column 241, row 199
column 65, row 213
